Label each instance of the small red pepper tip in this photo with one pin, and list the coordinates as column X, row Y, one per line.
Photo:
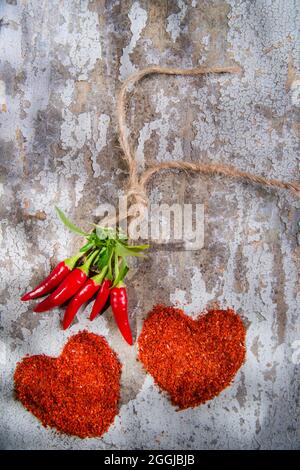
column 129, row 339
column 25, row 297
column 65, row 326
column 41, row 307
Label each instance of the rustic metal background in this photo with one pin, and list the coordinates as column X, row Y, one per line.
column 62, row 63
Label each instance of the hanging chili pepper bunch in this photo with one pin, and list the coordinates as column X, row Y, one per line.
column 98, row 268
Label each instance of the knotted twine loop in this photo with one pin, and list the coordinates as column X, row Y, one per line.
column 136, row 190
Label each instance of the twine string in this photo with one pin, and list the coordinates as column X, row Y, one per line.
column 136, row 190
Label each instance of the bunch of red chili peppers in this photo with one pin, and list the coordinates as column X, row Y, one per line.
column 98, row 268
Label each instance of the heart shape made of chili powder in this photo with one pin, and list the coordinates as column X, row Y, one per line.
column 78, row 392
column 192, row 360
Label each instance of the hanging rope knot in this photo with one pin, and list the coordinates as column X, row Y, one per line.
column 137, row 184
column 137, row 194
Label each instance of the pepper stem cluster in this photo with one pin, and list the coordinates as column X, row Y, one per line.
column 106, row 250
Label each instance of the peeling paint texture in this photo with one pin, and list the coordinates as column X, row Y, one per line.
column 61, row 67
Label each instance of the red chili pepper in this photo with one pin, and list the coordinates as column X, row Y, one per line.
column 119, row 304
column 54, row 279
column 101, row 299
column 89, row 288
column 70, row 285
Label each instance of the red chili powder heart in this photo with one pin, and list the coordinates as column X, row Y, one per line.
column 192, row 360
column 76, row 393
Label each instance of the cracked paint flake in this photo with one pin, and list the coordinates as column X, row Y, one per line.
column 138, row 19
column 200, row 296
column 78, row 34
column 75, row 130
column 3, row 106
column 175, row 19
column 67, row 94
column 104, row 121
column 295, row 93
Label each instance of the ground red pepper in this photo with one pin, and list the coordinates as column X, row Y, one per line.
column 192, row 360
column 76, row 393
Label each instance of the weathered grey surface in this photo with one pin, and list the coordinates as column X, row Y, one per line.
column 61, row 66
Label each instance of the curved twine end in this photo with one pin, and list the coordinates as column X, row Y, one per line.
column 212, row 169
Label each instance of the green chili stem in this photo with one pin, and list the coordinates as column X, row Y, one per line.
column 110, row 276
column 99, row 277
column 73, row 260
column 86, row 266
column 116, row 265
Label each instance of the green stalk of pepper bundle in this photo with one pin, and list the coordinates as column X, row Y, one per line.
column 102, row 273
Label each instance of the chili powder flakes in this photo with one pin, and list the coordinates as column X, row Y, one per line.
column 76, row 393
column 192, row 360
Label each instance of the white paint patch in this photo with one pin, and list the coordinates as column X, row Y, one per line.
column 11, row 34
column 82, row 40
column 177, row 149
column 172, row 273
column 67, row 93
column 178, row 297
column 9, row 119
column 138, row 18
column 104, row 122
column 206, row 130
column 10, row 53
column 2, row 95
column 75, row 130
column 295, row 91
column 174, row 20
column 296, row 353
column 162, row 126
column 74, row 167
column 144, row 136
column 3, row 353
column 199, row 294
column 205, row 40
column 102, row 127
